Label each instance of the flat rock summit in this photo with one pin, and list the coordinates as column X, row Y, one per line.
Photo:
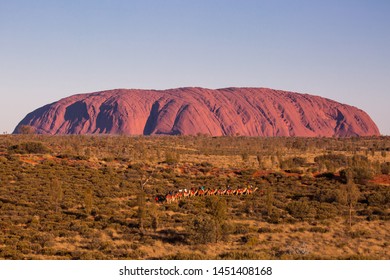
column 191, row 111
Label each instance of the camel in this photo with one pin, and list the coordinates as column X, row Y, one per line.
column 241, row 191
column 193, row 192
column 250, row 190
column 169, row 198
column 221, row 191
column 186, row 193
column 212, row 191
column 202, row 192
column 177, row 195
column 230, row 192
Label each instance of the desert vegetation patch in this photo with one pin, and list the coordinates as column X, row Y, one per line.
column 93, row 197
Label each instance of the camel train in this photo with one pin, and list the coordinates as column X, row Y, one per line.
column 201, row 191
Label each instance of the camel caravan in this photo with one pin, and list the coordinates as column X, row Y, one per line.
column 201, row 191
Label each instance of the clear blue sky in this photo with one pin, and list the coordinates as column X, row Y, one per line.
column 53, row 49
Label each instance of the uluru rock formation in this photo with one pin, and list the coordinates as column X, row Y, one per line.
column 190, row 111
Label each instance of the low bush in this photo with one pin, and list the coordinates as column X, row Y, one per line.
column 28, row 148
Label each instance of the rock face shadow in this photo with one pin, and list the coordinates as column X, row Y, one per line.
column 105, row 119
column 151, row 122
column 76, row 114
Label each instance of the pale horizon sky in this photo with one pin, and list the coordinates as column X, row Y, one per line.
column 53, row 49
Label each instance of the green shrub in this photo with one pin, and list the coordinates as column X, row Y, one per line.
column 184, row 256
column 319, row 229
column 360, row 175
column 335, row 160
column 242, row 255
column 385, row 168
column 264, row 230
column 204, row 231
column 380, row 198
column 300, row 209
column 293, row 163
column 29, row 148
column 325, row 211
column 241, row 229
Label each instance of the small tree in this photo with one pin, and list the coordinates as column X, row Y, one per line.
column 154, row 214
column 274, row 161
column 260, row 161
column 56, row 194
column 141, row 212
column 269, row 201
column 144, row 179
column 218, row 213
column 88, row 201
column 245, row 157
column 26, row 129
column 172, row 157
column 203, row 229
column 212, row 227
column 349, row 195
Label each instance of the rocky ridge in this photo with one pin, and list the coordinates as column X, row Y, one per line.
column 191, row 111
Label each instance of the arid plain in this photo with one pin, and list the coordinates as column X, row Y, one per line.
column 93, row 197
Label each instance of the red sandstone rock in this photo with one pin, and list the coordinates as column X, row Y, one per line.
column 189, row 111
